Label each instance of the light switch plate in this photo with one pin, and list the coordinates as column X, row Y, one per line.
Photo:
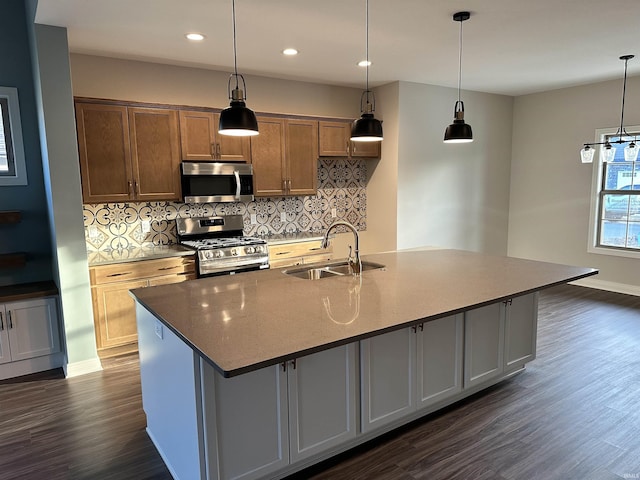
column 93, row 231
column 254, row 220
column 146, row 226
column 159, row 330
column 334, row 213
column 283, row 217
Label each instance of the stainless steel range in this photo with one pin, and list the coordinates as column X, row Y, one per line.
column 221, row 246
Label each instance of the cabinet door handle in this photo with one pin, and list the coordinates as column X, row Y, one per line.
column 422, row 327
column 284, row 366
column 1, row 322
column 135, row 188
column 282, row 253
column 118, row 274
column 169, row 268
column 293, row 363
column 213, row 150
column 130, row 188
column 218, row 150
column 347, row 147
column 414, row 328
column 9, row 320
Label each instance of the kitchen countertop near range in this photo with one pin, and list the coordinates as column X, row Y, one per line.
column 243, row 322
column 137, row 254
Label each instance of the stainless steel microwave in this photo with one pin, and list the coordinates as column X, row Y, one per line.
column 216, row 182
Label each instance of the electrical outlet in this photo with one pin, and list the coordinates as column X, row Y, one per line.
column 158, row 329
column 334, row 213
column 283, row 217
column 93, row 232
column 254, row 219
column 146, row 226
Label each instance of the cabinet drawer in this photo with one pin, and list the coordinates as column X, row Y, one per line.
column 143, row 269
column 297, row 249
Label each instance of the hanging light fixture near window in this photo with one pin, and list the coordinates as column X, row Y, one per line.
column 367, row 128
column 608, row 150
column 458, row 131
column 237, row 120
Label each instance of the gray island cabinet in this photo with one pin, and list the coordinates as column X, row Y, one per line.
column 261, row 374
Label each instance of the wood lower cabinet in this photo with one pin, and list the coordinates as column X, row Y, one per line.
column 410, row 369
column 284, row 157
column 114, row 309
column 28, row 329
column 128, row 153
column 200, row 140
column 298, row 253
column 334, row 142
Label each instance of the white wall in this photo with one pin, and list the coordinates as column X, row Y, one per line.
column 550, row 188
column 64, row 199
column 453, row 195
column 103, row 77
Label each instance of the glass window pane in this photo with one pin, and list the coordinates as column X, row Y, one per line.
column 615, row 207
column 613, row 234
column 633, row 238
column 620, row 174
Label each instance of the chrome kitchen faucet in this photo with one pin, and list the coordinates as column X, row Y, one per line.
column 354, row 262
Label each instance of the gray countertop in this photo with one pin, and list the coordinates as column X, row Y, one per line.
column 136, row 254
column 293, row 237
column 243, row 322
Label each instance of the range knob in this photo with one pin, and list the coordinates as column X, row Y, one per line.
column 250, row 250
column 218, row 253
column 234, row 252
column 259, row 249
column 207, row 254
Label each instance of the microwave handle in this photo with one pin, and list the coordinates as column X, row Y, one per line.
column 237, row 175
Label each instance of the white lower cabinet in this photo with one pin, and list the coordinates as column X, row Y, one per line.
column 28, row 329
column 499, row 338
column 409, row 369
column 262, row 421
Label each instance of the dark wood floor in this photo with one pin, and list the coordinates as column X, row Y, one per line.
column 573, row 414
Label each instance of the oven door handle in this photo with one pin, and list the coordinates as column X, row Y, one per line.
column 236, row 174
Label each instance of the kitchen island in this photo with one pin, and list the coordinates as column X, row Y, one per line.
column 261, row 374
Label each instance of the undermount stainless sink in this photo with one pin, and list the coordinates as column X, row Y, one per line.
column 333, row 269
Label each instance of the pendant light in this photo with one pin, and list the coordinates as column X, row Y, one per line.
column 367, row 128
column 458, row 131
column 237, row 120
column 609, row 151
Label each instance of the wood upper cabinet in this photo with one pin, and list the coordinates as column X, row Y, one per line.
column 284, row 157
column 128, row 153
column 201, row 142
column 155, row 153
column 334, row 142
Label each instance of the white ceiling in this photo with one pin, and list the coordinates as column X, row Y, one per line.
column 511, row 47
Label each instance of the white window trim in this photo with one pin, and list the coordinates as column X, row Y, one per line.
column 20, row 175
column 596, row 182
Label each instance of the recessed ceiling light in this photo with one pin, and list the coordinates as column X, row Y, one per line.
column 290, row 51
column 196, row 37
column 364, row 63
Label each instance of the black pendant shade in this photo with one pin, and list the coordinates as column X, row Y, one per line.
column 238, row 120
column 366, row 129
column 458, row 131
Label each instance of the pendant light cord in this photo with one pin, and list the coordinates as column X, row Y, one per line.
column 235, row 58
column 460, row 61
column 624, row 92
column 367, row 46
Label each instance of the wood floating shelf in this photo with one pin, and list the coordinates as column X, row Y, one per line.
column 13, row 260
column 10, row 217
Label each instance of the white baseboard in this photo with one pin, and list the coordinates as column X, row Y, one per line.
column 81, row 368
column 609, row 286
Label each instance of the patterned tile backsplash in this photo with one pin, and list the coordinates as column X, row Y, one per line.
column 341, row 186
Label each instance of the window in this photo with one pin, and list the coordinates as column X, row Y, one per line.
column 617, row 201
column 12, row 164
